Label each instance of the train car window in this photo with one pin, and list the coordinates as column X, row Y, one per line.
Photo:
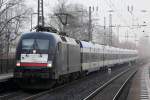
column 89, row 57
column 59, row 45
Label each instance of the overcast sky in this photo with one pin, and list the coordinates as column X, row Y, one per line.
column 121, row 16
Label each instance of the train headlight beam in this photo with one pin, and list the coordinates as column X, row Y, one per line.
column 18, row 64
column 49, row 64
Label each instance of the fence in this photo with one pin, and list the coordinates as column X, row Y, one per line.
column 7, row 63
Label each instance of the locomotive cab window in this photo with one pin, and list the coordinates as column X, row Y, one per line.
column 27, row 44
column 39, row 44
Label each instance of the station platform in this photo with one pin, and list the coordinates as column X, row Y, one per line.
column 140, row 86
column 5, row 77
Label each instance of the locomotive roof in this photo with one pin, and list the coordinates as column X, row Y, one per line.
column 41, row 33
column 57, row 37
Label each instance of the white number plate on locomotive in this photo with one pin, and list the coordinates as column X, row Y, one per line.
column 35, row 58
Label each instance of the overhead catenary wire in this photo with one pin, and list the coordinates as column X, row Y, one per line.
column 112, row 6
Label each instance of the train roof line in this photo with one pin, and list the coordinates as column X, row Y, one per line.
column 84, row 44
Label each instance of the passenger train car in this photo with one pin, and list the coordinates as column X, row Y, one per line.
column 44, row 59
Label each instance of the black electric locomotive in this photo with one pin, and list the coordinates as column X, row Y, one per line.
column 42, row 58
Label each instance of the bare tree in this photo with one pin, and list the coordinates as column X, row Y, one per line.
column 13, row 13
column 77, row 19
column 78, row 24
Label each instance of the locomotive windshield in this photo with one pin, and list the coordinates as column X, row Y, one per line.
column 39, row 44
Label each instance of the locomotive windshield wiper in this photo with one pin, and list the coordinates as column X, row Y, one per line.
column 37, row 47
column 27, row 52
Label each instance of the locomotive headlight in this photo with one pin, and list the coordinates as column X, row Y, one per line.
column 49, row 64
column 18, row 64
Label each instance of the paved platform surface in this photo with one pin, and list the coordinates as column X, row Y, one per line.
column 140, row 87
column 6, row 76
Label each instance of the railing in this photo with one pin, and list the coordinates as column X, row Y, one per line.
column 7, row 63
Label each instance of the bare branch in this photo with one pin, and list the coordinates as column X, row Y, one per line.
column 15, row 17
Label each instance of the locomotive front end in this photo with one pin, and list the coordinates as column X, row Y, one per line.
column 34, row 60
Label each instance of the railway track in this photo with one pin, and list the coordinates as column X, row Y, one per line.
column 8, row 95
column 120, row 91
column 33, row 97
column 10, row 91
column 21, row 95
column 70, row 89
column 18, row 95
column 111, row 88
column 56, row 91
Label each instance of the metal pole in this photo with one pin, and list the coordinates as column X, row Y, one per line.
column 90, row 23
column 135, row 40
column 7, row 43
column 104, row 40
column 127, row 36
column 104, row 31
column 118, row 32
column 38, row 12
column 40, row 15
column 31, row 23
column 110, row 29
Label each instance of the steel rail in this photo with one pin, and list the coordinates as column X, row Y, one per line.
column 89, row 97
column 123, row 86
column 32, row 97
column 9, row 95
